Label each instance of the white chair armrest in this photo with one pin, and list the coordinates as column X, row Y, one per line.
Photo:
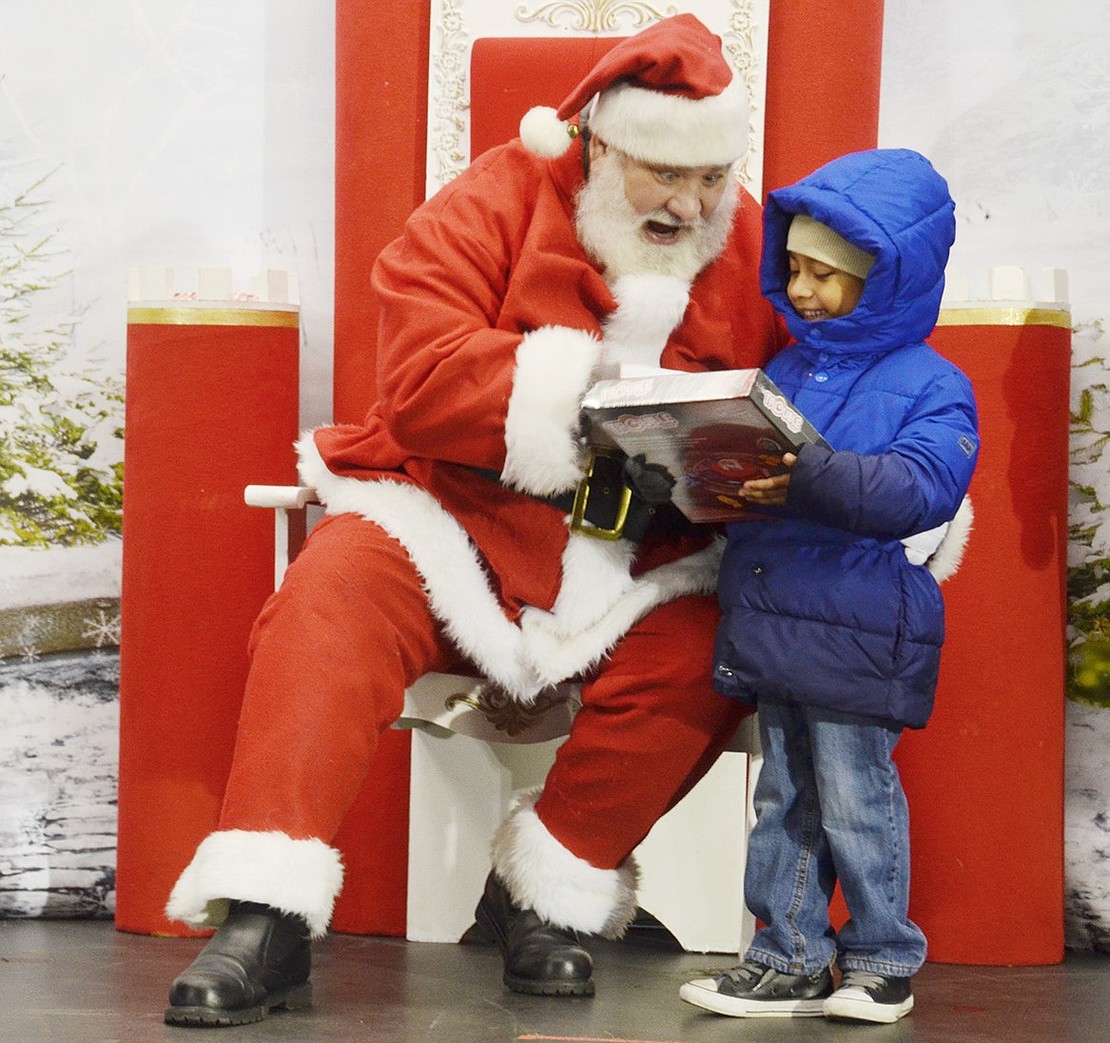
column 289, row 504
column 280, row 497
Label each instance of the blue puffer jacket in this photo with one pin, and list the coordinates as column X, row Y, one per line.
column 821, row 604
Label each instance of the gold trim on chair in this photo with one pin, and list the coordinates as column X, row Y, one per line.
column 992, row 314
column 283, row 315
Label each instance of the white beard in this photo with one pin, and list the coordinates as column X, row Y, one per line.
column 611, row 231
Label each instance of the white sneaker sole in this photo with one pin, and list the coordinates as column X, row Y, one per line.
column 862, row 1008
column 702, row 992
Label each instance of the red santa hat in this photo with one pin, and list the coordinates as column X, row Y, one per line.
column 665, row 95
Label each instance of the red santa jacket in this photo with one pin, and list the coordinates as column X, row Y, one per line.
column 493, row 322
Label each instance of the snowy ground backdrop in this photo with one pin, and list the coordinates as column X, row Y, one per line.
column 58, row 764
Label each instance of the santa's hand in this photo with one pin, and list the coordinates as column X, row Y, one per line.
column 651, row 482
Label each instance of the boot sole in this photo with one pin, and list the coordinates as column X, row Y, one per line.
column 540, row 988
column 298, row 997
column 526, row 985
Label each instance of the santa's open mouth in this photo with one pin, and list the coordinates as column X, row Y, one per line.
column 659, row 232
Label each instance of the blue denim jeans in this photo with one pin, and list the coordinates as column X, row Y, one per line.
column 830, row 806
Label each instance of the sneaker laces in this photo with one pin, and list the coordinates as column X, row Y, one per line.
column 747, row 974
column 862, row 980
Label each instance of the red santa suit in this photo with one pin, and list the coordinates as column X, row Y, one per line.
column 493, row 324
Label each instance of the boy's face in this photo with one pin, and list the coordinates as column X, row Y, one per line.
column 819, row 291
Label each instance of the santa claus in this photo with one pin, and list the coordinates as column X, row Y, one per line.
column 618, row 236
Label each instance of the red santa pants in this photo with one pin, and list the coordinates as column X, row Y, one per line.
column 350, row 629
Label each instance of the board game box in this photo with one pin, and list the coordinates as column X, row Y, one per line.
column 711, row 431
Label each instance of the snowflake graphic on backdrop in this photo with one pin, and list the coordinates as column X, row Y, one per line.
column 103, row 628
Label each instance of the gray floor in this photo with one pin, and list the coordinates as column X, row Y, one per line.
column 82, row 982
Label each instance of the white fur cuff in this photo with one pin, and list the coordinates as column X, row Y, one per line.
column 302, row 877
column 554, row 366
column 945, row 561
column 565, row 890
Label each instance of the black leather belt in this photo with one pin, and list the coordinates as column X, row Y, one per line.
column 617, row 499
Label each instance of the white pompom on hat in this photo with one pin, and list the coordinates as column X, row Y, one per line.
column 811, row 238
column 665, row 95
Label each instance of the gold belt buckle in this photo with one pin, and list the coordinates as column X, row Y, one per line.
column 578, row 522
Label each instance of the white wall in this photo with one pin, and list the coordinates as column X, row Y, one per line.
column 1011, row 101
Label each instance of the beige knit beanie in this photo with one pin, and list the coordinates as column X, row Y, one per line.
column 813, row 239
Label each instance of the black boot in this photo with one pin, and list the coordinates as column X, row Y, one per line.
column 539, row 958
column 259, row 959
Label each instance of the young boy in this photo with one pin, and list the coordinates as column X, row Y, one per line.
column 832, row 625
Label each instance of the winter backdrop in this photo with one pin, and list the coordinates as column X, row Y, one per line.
column 199, row 133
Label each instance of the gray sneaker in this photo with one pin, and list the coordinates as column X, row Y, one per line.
column 755, row 991
column 863, row 996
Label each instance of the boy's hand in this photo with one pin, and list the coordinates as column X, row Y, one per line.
column 771, row 491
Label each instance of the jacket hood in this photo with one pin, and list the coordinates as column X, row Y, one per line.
column 894, row 205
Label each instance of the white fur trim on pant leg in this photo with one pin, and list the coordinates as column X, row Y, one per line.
column 302, row 877
column 565, row 890
column 554, row 366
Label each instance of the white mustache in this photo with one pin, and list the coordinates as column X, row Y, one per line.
column 671, row 221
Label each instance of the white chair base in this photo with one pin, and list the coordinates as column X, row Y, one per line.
column 691, row 864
